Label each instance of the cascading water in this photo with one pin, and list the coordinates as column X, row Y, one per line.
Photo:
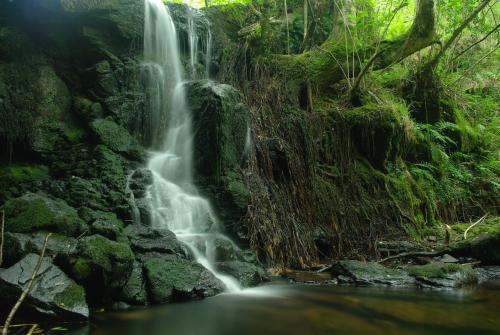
column 175, row 202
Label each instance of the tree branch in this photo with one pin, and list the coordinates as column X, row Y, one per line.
column 435, row 61
column 28, row 289
column 476, row 43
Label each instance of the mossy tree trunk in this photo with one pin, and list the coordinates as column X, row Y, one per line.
column 327, row 64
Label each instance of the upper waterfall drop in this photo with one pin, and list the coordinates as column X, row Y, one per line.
column 176, row 204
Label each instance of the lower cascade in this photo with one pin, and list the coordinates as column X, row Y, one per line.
column 176, row 204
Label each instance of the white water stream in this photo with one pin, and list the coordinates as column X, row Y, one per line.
column 176, row 204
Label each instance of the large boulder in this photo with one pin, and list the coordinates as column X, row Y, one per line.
column 54, row 296
column 172, row 278
column 37, row 211
column 443, row 275
column 219, row 114
column 102, row 263
column 248, row 274
column 484, row 247
column 369, row 273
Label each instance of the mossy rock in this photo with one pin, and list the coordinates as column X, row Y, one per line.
column 172, row 278
column 484, row 247
column 101, row 262
column 117, row 138
column 16, row 179
column 247, row 274
column 448, row 275
column 37, row 211
column 369, row 273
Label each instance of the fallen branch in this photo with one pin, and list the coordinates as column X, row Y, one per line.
column 2, row 214
column 415, row 254
column 474, row 224
column 28, row 289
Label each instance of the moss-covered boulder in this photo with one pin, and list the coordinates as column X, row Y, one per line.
column 117, row 138
column 17, row 179
column 446, row 275
column 248, row 274
column 37, row 211
column 108, row 225
column 172, row 278
column 484, row 247
column 102, row 263
column 54, row 296
column 369, row 273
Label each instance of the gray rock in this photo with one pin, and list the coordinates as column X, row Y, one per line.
column 172, row 278
column 247, row 274
column 443, row 275
column 370, row 273
column 55, row 296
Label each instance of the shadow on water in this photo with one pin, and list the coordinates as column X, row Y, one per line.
column 299, row 309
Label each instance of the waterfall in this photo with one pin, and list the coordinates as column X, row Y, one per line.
column 208, row 53
column 176, row 204
column 193, row 42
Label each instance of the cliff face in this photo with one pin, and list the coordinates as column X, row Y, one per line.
column 74, row 133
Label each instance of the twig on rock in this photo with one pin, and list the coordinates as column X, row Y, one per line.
column 475, row 223
column 28, row 288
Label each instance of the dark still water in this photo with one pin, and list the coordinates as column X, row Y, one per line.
column 297, row 309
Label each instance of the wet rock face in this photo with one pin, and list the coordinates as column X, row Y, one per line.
column 54, row 296
column 220, row 124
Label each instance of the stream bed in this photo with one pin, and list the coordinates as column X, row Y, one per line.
column 307, row 309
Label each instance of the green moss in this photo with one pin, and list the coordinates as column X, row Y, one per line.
column 33, row 212
column 71, row 297
column 102, row 258
column 20, row 173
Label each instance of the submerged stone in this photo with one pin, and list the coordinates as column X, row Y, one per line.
column 445, row 275
column 54, row 296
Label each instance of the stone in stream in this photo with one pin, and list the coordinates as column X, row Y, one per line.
column 172, row 278
column 443, row 275
column 484, row 247
column 370, row 273
column 247, row 274
column 54, row 297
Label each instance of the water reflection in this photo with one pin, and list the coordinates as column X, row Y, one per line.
column 294, row 309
